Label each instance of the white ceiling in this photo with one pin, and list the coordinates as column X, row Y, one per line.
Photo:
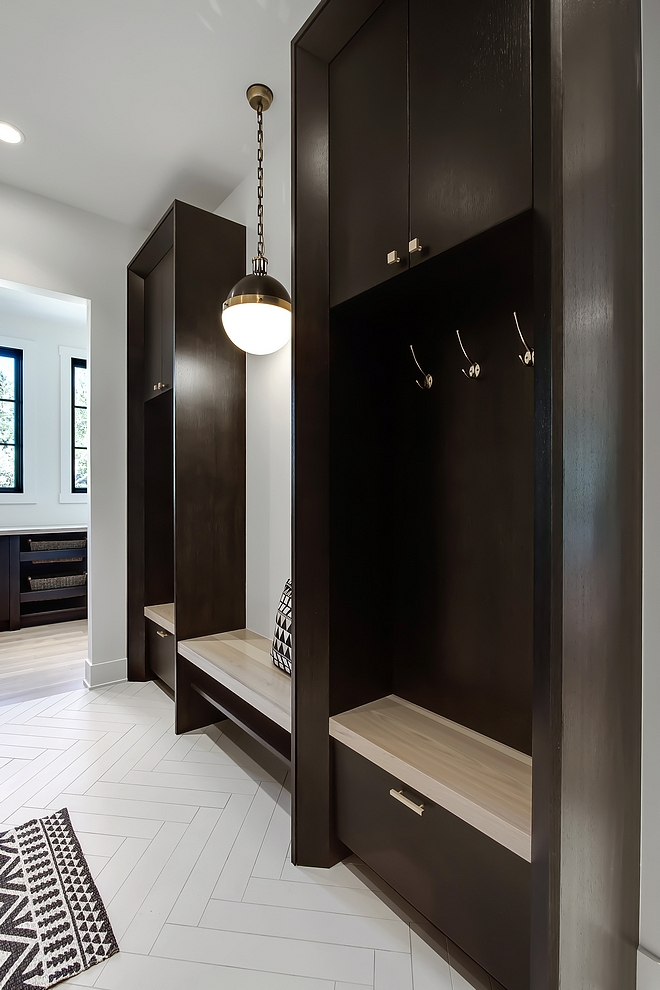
column 127, row 104
column 40, row 304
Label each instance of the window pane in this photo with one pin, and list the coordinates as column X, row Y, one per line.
column 79, row 386
column 7, row 422
column 80, row 468
column 80, row 428
column 7, row 377
column 7, row 467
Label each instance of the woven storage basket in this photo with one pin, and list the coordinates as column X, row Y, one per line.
column 57, row 544
column 60, row 560
column 62, row 581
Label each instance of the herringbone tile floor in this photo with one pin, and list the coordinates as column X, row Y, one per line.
column 188, row 840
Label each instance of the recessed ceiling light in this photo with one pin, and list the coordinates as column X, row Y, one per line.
column 10, row 134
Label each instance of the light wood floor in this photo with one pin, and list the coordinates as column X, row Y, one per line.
column 42, row 660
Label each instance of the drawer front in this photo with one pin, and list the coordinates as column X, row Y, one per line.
column 471, row 888
column 161, row 647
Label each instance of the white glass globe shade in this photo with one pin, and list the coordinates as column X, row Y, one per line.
column 258, row 328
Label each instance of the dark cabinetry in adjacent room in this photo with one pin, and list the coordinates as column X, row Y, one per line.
column 43, row 578
column 430, row 134
column 186, row 440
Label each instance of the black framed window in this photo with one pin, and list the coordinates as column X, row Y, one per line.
column 11, row 420
column 78, row 425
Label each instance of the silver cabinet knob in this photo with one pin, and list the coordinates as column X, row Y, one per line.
column 159, row 386
column 414, row 246
column 393, row 258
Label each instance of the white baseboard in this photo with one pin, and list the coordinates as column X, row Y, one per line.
column 648, row 970
column 108, row 672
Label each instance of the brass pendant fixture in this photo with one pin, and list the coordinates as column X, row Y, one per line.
column 256, row 315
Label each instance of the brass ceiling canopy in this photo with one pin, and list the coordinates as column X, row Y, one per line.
column 259, row 94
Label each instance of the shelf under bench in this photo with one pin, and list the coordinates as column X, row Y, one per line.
column 486, row 784
column 162, row 615
column 240, row 660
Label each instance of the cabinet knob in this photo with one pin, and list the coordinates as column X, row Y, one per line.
column 159, row 386
column 393, row 258
column 161, row 633
column 414, row 246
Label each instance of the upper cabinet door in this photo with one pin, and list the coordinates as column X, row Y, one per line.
column 369, row 154
column 159, row 327
column 470, row 119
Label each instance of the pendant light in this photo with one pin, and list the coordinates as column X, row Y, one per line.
column 257, row 312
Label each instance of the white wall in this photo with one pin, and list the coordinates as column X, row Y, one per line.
column 268, row 400
column 40, row 339
column 57, row 247
column 649, row 970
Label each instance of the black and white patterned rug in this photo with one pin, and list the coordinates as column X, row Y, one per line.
column 52, row 920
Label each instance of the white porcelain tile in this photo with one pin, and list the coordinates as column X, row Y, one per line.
column 313, row 926
column 94, row 844
column 317, row 897
column 275, row 847
column 159, row 795
column 19, row 752
column 26, row 783
column 197, row 889
column 430, row 970
column 272, row 955
column 59, row 782
column 134, row 972
column 95, row 771
column 116, row 825
column 392, row 971
column 237, row 870
column 353, row 986
column 176, row 868
column 123, row 807
column 204, row 783
column 155, row 734
column 338, row 875
column 119, row 867
column 182, row 767
column 96, row 863
column 126, row 902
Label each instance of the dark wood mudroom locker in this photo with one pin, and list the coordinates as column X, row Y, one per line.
column 186, row 441
column 467, row 481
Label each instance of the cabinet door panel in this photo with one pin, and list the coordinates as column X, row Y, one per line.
column 470, row 118
column 369, row 154
column 159, row 326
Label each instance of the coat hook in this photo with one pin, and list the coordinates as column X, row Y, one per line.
column 528, row 357
column 428, row 379
column 474, row 370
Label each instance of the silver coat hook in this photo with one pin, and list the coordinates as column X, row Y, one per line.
column 474, row 370
column 528, row 357
column 428, row 380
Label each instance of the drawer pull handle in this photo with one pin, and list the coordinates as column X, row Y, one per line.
column 162, row 633
column 400, row 796
column 393, row 258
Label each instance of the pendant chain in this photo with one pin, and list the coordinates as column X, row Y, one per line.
column 260, row 263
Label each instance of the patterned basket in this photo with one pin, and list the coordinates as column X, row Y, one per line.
column 57, row 544
column 282, row 650
column 62, row 581
column 60, row 560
